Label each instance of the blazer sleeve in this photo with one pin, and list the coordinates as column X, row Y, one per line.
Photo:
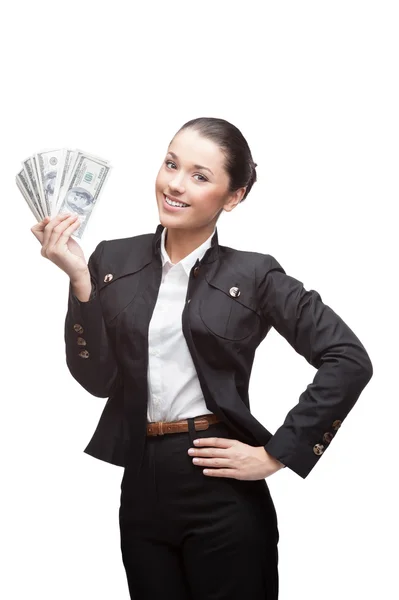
column 89, row 355
column 343, row 366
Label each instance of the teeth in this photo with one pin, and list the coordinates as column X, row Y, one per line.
column 173, row 203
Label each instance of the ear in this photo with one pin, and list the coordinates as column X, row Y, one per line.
column 234, row 198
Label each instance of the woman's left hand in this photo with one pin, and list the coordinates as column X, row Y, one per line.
column 231, row 458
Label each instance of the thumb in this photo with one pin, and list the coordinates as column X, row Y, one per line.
column 38, row 228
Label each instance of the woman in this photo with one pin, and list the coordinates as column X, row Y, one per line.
column 166, row 326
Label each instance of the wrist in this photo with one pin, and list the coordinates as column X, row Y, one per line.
column 81, row 280
column 274, row 460
column 82, row 287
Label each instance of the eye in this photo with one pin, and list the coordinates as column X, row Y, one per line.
column 167, row 162
column 199, row 175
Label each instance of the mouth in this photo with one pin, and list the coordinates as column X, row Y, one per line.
column 172, row 204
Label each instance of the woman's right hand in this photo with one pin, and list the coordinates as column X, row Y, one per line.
column 57, row 245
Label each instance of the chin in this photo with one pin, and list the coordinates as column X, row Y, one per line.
column 170, row 223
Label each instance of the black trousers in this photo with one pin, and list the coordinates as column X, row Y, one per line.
column 188, row 536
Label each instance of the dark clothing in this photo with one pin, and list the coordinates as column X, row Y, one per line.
column 187, row 536
column 233, row 300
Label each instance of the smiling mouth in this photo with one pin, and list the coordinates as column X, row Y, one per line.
column 175, row 203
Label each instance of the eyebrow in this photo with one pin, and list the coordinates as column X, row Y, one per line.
column 173, row 155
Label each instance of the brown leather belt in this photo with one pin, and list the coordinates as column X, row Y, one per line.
column 200, row 423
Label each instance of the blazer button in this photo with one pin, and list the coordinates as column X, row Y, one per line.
column 318, row 449
column 337, row 424
column 108, row 277
column 327, row 437
column 84, row 354
column 235, row 292
column 81, row 341
column 196, row 271
column 78, row 328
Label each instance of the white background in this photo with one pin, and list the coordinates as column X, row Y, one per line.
column 313, row 86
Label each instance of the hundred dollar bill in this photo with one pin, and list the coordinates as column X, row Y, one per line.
column 43, row 204
column 49, row 166
column 69, row 161
column 71, row 157
column 84, row 187
column 30, row 172
column 27, row 193
column 93, row 156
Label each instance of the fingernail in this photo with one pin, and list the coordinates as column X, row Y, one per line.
column 196, row 441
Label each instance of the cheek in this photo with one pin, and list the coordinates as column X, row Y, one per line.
column 205, row 199
column 160, row 182
column 158, row 177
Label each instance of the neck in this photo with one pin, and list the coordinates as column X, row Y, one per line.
column 179, row 243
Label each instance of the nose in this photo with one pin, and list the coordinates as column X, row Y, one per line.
column 176, row 183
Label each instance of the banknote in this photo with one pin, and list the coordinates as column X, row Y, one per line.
column 84, row 187
column 63, row 180
column 49, row 166
column 71, row 157
column 23, row 184
column 69, row 161
column 30, row 172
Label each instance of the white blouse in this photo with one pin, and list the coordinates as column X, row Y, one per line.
column 174, row 391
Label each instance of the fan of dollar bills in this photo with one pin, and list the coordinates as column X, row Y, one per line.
column 63, row 180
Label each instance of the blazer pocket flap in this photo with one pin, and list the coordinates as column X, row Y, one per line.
column 109, row 274
column 117, row 288
column 238, row 288
column 228, row 308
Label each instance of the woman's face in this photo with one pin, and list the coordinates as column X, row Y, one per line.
column 193, row 173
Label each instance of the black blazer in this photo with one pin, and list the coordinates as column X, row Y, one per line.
column 233, row 299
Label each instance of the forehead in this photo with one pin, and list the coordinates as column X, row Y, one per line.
column 191, row 147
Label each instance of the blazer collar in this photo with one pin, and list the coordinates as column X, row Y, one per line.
column 210, row 255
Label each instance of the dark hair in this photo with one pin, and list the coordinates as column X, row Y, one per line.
column 239, row 164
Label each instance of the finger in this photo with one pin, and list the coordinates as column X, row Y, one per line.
column 220, row 452
column 38, row 228
column 40, row 225
column 213, row 441
column 66, row 233
column 212, row 462
column 48, row 230
column 221, row 473
column 59, row 234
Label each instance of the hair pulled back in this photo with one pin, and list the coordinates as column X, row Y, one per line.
column 239, row 164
